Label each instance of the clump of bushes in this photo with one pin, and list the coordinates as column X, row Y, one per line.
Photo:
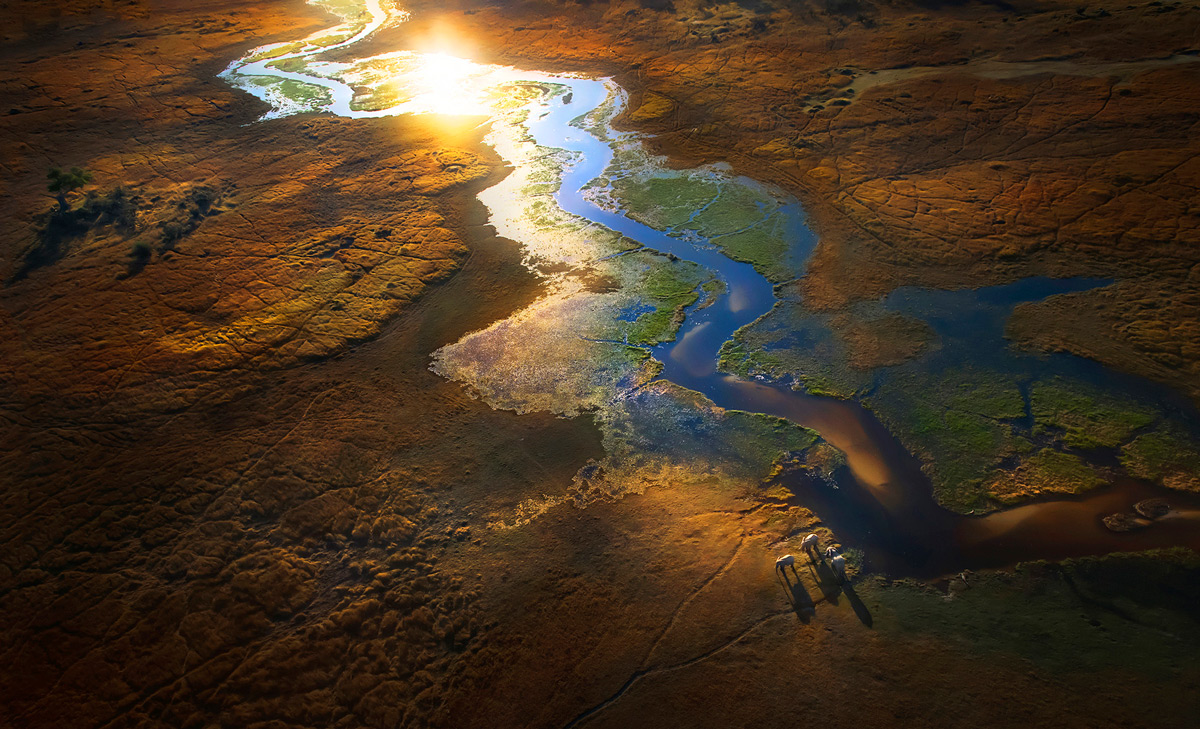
column 199, row 203
column 55, row 227
column 118, row 208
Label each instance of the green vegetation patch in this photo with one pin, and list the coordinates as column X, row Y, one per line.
column 764, row 246
column 1085, row 417
column 377, row 98
column 736, row 208
column 790, row 342
column 824, row 460
column 664, row 202
column 1064, row 472
column 509, row 96
column 734, row 359
column 309, row 96
column 960, row 422
column 290, row 65
column 766, row 436
column 744, row 220
column 1047, row 472
column 286, row 49
column 712, row 288
column 333, row 39
column 988, row 395
column 669, row 287
column 1162, row 454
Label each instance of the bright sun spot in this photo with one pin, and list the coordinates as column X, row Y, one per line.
column 449, row 85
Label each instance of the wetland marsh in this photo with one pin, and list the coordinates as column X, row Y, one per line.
column 670, row 308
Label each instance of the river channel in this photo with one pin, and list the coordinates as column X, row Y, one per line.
column 881, row 502
column 884, row 503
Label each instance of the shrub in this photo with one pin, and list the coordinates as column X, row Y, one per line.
column 61, row 183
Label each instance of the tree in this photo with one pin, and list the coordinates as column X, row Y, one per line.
column 62, row 183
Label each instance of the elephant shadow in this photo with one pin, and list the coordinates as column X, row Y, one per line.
column 797, row 595
column 864, row 615
column 827, row 581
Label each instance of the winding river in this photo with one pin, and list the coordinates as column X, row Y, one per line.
column 884, row 504
column 881, row 501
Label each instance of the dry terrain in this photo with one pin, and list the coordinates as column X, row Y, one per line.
column 233, row 494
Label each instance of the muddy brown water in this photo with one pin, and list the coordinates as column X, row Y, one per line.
column 883, row 502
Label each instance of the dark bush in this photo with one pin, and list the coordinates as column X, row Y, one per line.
column 197, row 204
column 118, row 208
column 201, row 200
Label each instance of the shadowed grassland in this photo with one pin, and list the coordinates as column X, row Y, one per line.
column 1046, row 472
column 983, row 450
column 961, row 422
column 1063, row 617
column 1167, row 456
column 792, row 344
column 1083, row 417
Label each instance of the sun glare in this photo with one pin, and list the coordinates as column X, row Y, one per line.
column 450, row 85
